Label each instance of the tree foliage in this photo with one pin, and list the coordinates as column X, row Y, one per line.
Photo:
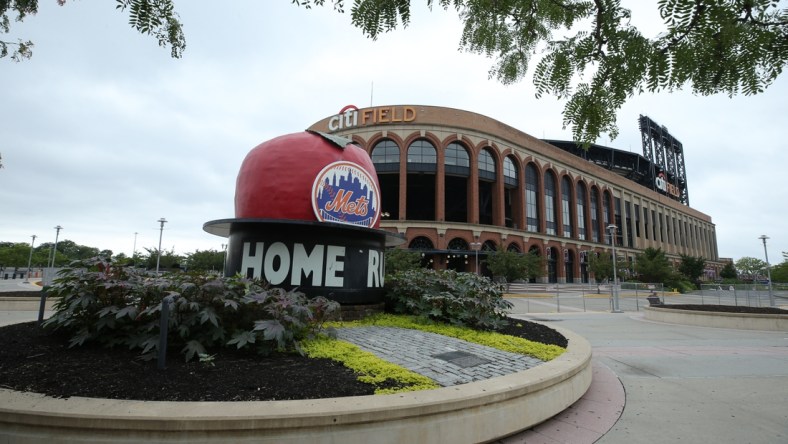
column 692, row 267
column 206, row 260
column 750, row 267
column 602, row 267
column 780, row 272
column 594, row 58
column 585, row 52
column 728, row 271
column 400, row 259
column 513, row 266
column 653, row 266
column 153, row 17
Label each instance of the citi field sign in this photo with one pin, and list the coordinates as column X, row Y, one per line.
column 666, row 187
column 307, row 209
column 350, row 116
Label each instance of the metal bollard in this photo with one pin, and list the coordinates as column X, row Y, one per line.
column 164, row 324
column 41, row 307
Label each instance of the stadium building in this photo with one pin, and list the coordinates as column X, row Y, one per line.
column 459, row 185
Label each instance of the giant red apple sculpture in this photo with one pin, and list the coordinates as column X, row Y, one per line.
column 307, row 209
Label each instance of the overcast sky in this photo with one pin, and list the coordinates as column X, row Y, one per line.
column 103, row 133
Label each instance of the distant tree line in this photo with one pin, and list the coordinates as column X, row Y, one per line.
column 15, row 255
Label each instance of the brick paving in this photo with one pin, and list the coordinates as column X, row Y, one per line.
column 445, row 360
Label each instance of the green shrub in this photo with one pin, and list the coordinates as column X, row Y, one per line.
column 464, row 299
column 120, row 306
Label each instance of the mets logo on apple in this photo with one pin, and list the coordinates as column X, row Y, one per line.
column 344, row 192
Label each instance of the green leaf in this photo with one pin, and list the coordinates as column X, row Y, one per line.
column 192, row 348
column 240, row 339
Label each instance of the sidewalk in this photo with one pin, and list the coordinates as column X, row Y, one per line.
column 688, row 384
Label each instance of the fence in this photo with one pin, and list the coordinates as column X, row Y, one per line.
column 552, row 298
column 751, row 295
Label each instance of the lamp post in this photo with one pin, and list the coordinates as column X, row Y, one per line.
column 54, row 247
column 763, row 237
column 161, row 221
column 612, row 230
column 476, row 246
column 30, row 258
column 134, row 252
column 224, row 259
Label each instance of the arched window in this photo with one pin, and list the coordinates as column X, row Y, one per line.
column 385, row 156
column 486, row 165
column 513, row 247
column 594, row 214
column 566, row 216
column 422, row 154
column 549, row 202
column 456, row 159
column 455, row 191
column 531, row 192
column 569, row 266
column 509, row 172
column 489, row 245
column 580, row 198
column 385, row 153
column 420, row 243
column 421, row 180
column 458, row 244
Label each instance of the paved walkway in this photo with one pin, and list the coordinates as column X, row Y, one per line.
column 445, row 360
column 652, row 382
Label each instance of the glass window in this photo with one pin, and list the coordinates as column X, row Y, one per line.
column 594, row 215
column 385, row 151
column 549, row 202
column 421, row 151
column 566, row 191
column 486, row 165
column 509, row 171
column 580, row 199
column 457, row 155
column 531, row 190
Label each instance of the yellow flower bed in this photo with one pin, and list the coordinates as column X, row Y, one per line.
column 371, row 369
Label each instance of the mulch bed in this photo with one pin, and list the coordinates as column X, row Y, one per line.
column 35, row 360
column 725, row 308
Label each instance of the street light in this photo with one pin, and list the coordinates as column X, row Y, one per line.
column 612, row 229
column 161, row 221
column 224, row 260
column 134, row 252
column 476, row 246
column 30, row 258
column 763, row 237
column 54, row 247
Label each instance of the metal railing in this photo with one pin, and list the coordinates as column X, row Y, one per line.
column 557, row 298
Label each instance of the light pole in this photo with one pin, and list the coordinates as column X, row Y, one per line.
column 476, row 246
column 612, row 230
column 134, row 252
column 161, row 221
column 763, row 237
column 30, row 258
column 224, row 260
column 54, row 247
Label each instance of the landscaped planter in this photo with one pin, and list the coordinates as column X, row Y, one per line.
column 475, row 412
column 741, row 321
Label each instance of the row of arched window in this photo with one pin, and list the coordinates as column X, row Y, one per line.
column 543, row 203
column 568, row 264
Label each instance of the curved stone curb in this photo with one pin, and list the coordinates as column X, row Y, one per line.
column 739, row 321
column 476, row 412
